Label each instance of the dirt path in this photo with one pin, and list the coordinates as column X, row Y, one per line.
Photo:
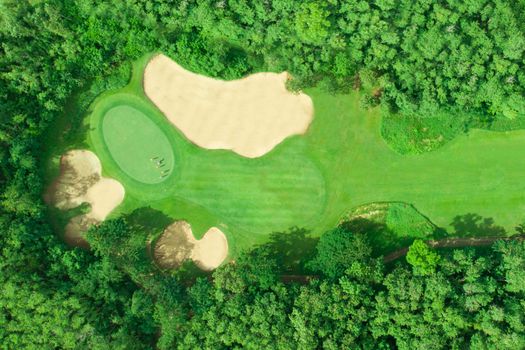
column 442, row 243
column 301, row 279
column 455, row 243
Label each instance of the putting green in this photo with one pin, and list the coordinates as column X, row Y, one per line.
column 137, row 145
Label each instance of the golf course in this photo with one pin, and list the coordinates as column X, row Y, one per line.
column 262, row 175
column 310, row 179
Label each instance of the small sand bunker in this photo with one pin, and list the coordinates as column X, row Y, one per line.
column 178, row 244
column 80, row 181
column 249, row 116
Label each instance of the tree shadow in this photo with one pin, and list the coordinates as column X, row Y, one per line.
column 520, row 229
column 60, row 218
column 292, row 249
column 146, row 225
column 474, row 225
column 152, row 223
column 188, row 272
column 381, row 238
column 148, row 220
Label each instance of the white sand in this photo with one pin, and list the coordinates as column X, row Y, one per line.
column 80, row 181
column 249, row 116
column 178, row 244
column 104, row 196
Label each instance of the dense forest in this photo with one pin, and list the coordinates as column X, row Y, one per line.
column 114, row 297
column 414, row 57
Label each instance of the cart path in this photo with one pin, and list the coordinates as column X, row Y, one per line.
column 455, row 243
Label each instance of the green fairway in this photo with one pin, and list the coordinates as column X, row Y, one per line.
column 480, row 173
column 137, row 145
column 257, row 195
column 310, row 181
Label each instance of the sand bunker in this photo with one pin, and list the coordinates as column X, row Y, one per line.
column 80, row 181
column 178, row 244
column 249, row 116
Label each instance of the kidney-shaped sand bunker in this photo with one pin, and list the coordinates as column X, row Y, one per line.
column 177, row 244
column 138, row 146
column 249, row 116
column 80, row 181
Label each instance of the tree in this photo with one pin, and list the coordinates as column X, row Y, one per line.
column 311, row 23
column 422, row 258
column 337, row 250
column 512, row 265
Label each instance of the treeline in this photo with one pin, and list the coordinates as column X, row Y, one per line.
column 417, row 56
column 52, row 296
column 347, row 299
column 115, row 297
column 414, row 56
column 457, row 300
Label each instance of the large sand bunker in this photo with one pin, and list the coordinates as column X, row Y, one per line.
column 249, row 116
column 80, row 181
column 177, row 244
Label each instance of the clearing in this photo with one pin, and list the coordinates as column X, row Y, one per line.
column 473, row 185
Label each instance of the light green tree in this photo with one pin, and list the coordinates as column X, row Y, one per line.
column 423, row 259
column 312, row 24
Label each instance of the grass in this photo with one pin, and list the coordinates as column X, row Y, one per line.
column 390, row 226
column 137, row 145
column 247, row 197
column 312, row 181
column 411, row 134
column 476, row 173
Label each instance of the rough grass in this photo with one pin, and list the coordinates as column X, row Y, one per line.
column 390, row 225
column 419, row 134
column 410, row 134
column 311, row 181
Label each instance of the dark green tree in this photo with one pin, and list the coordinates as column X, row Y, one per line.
column 338, row 250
